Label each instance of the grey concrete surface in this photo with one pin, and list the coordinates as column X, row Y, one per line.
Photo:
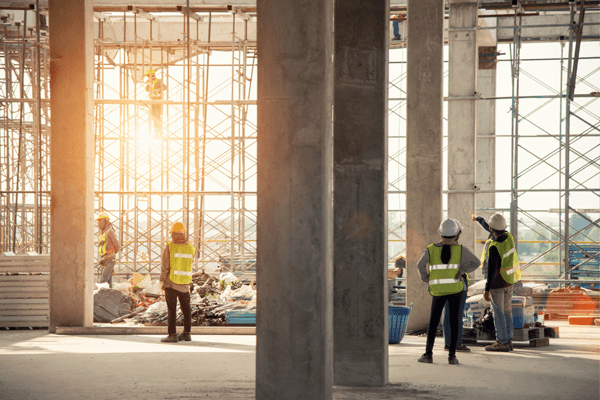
column 38, row 365
column 486, row 152
column 72, row 163
column 295, row 199
column 463, row 115
column 424, row 145
column 360, row 193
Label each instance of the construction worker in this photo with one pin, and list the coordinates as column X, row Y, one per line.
column 108, row 247
column 396, row 25
column 500, row 265
column 176, row 278
column 155, row 88
column 442, row 266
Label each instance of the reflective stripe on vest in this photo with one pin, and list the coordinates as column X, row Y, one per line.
column 181, row 258
column 510, row 269
column 102, row 244
column 442, row 277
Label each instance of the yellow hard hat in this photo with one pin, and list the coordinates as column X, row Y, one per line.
column 103, row 215
column 177, row 227
column 150, row 72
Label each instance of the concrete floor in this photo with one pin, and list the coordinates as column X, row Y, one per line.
column 37, row 365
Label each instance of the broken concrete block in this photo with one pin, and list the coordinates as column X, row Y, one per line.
column 110, row 304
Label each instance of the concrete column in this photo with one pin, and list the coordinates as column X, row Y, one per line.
column 424, row 145
column 462, row 115
column 486, row 142
column 72, row 163
column 294, row 354
column 360, row 193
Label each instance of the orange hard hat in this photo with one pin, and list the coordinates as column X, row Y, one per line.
column 177, row 227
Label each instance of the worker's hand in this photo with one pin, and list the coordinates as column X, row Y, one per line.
column 487, row 296
column 473, row 216
column 161, row 286
column 458, row 275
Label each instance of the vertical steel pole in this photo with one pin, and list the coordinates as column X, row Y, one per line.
column 567, row 140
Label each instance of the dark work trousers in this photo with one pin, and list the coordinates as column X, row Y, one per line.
column 437, row 306
column 171, row 296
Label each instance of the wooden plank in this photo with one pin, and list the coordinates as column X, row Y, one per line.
column 26, row 289
column 31, row 324
column 7, row 313
column 4, row 269
column 24, row 301
column 15, row 296
column 10, row 307
column 24, row 284
column 24, row 278
column 36, row 318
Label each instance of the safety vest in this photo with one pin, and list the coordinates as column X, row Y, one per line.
column 442, row 277
column 510, row 269
column 155, row 93
column 102, row 244
column 181, row 257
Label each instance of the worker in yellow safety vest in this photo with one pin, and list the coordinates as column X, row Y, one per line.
column 176, row 280
column 500, row 264
column 155, row 88
column 442, row 266
column 108, row 247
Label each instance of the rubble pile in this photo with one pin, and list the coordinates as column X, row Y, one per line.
column 139, row 302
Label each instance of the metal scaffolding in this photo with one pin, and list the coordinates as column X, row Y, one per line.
column 197, row 163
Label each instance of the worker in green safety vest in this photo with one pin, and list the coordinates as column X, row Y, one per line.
column 108, row 247
column 442, row 266
column 176, row 279
column 500, row 264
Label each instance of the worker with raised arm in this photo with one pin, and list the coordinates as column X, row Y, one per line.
column 500, row 264
column 442, row 266
column 176, row 278
column 108, row 247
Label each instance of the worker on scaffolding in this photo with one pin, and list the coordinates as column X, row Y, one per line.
column 176, row 279
column 155, row 88
column 396, row 19
column 500, row 264
column 108, row 247
column 442, row 266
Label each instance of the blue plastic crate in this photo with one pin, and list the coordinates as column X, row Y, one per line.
column 240, row 317
column 398, row 321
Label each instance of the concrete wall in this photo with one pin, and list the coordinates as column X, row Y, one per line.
column 294, row 354
column 72, row 164
column 360, row 193
column 424, row 145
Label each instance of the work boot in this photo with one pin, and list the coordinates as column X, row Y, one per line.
column 169, row 339
column 446, row 347
column 426, row 358
column 510, row 346
column 452, row 360
column 462, row 347
column 397, row 37
column 187, row 336
column 498, row 347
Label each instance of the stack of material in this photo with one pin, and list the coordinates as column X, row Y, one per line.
column 24, row 290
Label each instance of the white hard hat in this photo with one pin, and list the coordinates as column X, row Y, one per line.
column 450, row 227
column 497, row 222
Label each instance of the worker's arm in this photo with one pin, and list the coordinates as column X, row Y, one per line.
column 483, row 224
column 422, row 266
column 468, row 261
column 165, row 268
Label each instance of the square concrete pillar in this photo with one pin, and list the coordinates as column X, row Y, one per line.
column 294, row 351
column 360, row 193
column 424, row 145
column 71, row 163
column 463, row 115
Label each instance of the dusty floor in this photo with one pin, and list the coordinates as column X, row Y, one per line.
column 37, row 365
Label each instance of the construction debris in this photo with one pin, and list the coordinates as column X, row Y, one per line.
column 110, row 304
